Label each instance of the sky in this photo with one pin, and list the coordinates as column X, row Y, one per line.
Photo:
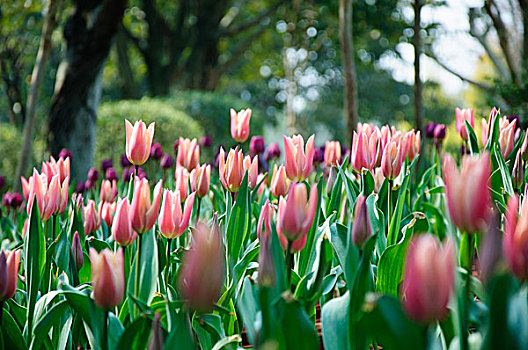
column 455, row 47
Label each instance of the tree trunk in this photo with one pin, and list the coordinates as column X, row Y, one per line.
column 88, row 33
column 39, row 69
column 127, row 84
column 418, row 118
column 349, row 68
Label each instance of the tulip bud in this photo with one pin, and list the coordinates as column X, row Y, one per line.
column 166, row 161
column 125, row 163
column 257, row 145
column 365, row 150
column 506, row 138
column 518, row 171
column 318, row 157
column 296, row 214
column 2, row 182
column 65, row 153
column 392, row 160
column 138, row 141
column 332, row 154
column 231, row 169
column 91, row 218
column 9, row 264
column 240, row 124
column 143, row 211
column 172, row 220
column 361, row 230
column 272, row 152
column 200, row 180
column 298, row 159
column 515, row 238
column 51, row 198
column 107, row 212
column 122, row 230
column 439, row 132
column 429, row 130
column 108, row 277
column 108, row 190
column 266, row 269
column 279, row 182
column 467, row 192
column 182, row 182
column 251, row 167
column 188, row 154
column 206, row 141
column 80, row 188
column 156, row 151
column 461, row 116
column 202, row 273
column 378, row 179
column 106, row 163
column 429, row 279
column 93, row 175
column 77, row 251
column 524, row 147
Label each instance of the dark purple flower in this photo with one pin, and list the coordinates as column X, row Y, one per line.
column 111, row 174
column 318, row 156
column 2, row 182
column 106, row 163
column 273, row 151
column 439, row 132
column 156, row 151
column 65, row 153
column 6, row 200
column 344, row 151
column 176, row 145
column 128, row 172
column 429, row 130
column 93, row 175
column 16, row 200
column 79, row 188
column 257, row 145
column 167, row 161
column 206, row 141
column 89, row 184
column 125, row 163
column 142, row 174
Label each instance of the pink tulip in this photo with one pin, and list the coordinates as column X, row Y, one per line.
column 506, row 132
column 51, row 198
column 392, row 159
column 251, row 167
column 361, row 230
column 200, row 180
column 365, row 150
column 173, row 221
column 182, row 182
column 515, row 238
column 429, row 279
column 91, row 218
column 279, row 182
column 461, row 116
column 298, row 159
column 188, row 153
column 266, row 270
column 524, row 147
column 231, row 169
column 202, row 273
column 108, row 190
column 332, row 154
column 296, row 214
column 107, row 211
column 467, row 192
column 9, row 263
column 138, row 141
column 77, row 251
column 143, row 211
column 378, row 179
column 240, row 124
column 122, row 230
column 411, row 142
column 486, row 125
column 60, row 167
column 108, row 277
column 263, row 181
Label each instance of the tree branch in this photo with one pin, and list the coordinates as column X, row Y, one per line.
column 230, row 31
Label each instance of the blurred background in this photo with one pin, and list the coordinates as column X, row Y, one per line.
column 72, row 70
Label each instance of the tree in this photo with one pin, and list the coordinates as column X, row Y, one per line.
column 417, row 44
column 88, row 33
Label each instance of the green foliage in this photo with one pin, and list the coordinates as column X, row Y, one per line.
column 171, row 123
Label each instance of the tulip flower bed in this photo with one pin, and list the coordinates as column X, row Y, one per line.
column 392, row 244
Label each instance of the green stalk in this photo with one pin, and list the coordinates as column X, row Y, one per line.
column 289, row 263
column 464, row 345
column 138, row 263
column 167, row 268
column 389, row 207
column 1, row 312
column 104, row 342
column 198, row 210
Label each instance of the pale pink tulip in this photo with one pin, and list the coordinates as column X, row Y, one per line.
column 173, row 221
column 143, row 211
column 251, row 167
column 392, row 159
column 108, row 277
column 200, row 180
column 240, row 124
column 231, row 169
column 138, row 141
column 182, row 182
column 9, row 263
column 298, row 159
column 188, row 153
column 515, row 238
column 122, row 230
column 91, row 218
column 332, row 154
column 461, row 116
column 108, row 190
column 296, row 214
column 279, row 182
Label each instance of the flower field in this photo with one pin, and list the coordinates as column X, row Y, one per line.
column 392, row 243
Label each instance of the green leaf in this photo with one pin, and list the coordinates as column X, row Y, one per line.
column 149, row 269
column 304, row 255
column 394, row 229
column 247, row 307
column 50, row 319
column 334, row 317
column 367, row 182
column 298, row 329
column 377, row 222
column 238, row 222
column 180, row 337
column 472, row 139
column 12, row 336
column 504, row 171
column 350, row 186
column 335, row 196
column 62, row 252
column 34, row 260
column 222, row 343
column 348, row 255
column 136, row 335
column 493, row 133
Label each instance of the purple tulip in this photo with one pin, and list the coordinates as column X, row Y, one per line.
column 80, row 188
column 206, row 141
column 257, row 145
column 272, row 152
column 93, row 175
column 156, row 151
column 125, row 163
column 2, row 182
column 111, row 174
column 176, row 145
column 106, row 163
column 439, row 132
column 65, row 153
column 318, row 156
column 429, row 130
column 167, row 161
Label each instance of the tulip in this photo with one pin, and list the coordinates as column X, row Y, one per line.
column 272, row 152
column 206, row 141
column 279, row 182
column 468, row 196
column 266, row 269
column 91, row 218
column 182, row 181
column 378, row 179
column 200, row 180
column 298, row 160
column 143, row 211
column 9, row 263
column 412, row 141
column 518, row 171
column 77, row 251
column 125, row 163
column 156, row 151
column 429, row 279
column 93, row 175
column 392, row 159
column 365, row 151
column 318, row 157
column 106, row 163
column 51, row 198
column 440, row 132
column 108, row 277
column 202, row 273
column 188, row 153
column 12, row 200
column 506, row 139
column 515, row 238
column 361, row 230
column 524, row 147
column 461, row 116
column 122, row 230
column 332, row 154
column 166, row 161
column 108, row 190
column 231, row 169
column 107, row 211
column 429, row 130
column 296, row 214
column 172, row 220
column 257, row 145
column 138, row 141
column 506, row 131
column 240, row 124
column 65, row 153
column 111, row 174
column 60, row 167
column 251, row 167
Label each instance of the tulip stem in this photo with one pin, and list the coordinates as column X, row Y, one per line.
column 467, row 294
column 167, row 267
column 289, row 263
column 138, row 262
column 389, row 207
column 104, row 343
column 198, row 210
column 1, row 312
